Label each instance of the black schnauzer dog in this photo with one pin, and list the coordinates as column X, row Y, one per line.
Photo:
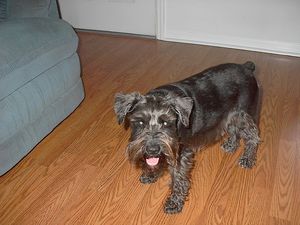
column 171, row 122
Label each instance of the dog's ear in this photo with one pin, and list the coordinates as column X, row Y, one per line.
column 183, row 107
column 124, row 103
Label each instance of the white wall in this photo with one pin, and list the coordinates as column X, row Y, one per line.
column 128, row 16
column 263, row 25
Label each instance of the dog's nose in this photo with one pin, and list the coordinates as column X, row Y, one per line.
column 153, row 149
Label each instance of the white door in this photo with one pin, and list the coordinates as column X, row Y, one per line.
column 126, row 16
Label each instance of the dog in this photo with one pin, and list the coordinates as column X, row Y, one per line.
column 170, row 123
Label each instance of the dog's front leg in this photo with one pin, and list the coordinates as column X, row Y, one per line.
column 180, row 185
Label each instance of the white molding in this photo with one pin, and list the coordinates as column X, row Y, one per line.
column 160, row 19
column 282, row 48
column 268, row 46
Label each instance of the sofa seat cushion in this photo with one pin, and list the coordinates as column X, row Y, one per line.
column 31, row 112
column 30, row 46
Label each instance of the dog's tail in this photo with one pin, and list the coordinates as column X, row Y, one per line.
column 249, row 68
column 249, row 65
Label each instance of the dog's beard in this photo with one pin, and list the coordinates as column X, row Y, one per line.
column 136, row 152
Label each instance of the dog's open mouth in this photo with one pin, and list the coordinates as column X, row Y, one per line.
column 153, row 161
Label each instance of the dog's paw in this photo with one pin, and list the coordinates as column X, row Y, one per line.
column 172, row 206
column 148, row 179
column 247, row 162
column 230, row 146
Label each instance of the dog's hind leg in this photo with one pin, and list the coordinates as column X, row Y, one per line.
column 233, row 141
column 240, row 125
column 248, row 131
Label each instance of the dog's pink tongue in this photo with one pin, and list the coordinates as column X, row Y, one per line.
column 152, row 161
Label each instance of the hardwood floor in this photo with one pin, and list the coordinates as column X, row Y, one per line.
column 79, row 174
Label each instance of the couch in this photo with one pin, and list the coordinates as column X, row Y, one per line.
column 40, row 83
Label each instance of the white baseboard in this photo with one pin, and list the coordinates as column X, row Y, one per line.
column 291, row 49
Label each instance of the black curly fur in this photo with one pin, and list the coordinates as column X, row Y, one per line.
column 171, row 122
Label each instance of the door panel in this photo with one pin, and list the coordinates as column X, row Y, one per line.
column 128, row 16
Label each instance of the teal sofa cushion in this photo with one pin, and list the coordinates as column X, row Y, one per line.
column 53, row 10
column 40, row 83
column 29, row 46
column 31, row 112
column 3, row 10
column 28, row 8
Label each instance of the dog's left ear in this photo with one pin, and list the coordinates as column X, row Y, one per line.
column 124, row 103
column 183, row 107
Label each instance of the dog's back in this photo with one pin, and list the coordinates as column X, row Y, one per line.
column 216, row 92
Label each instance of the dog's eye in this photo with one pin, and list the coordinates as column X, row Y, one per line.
column 140, row 123
column 164, row 123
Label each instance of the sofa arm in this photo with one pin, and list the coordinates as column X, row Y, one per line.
column 32, row 8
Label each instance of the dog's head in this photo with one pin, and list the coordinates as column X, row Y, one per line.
column 154, row 121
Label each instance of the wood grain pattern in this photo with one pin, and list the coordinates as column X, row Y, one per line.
column 79, row 174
